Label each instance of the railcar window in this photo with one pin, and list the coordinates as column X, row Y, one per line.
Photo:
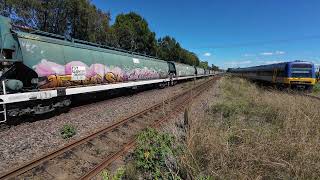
column 301, row 70
column 301, row 65
column 282, row 73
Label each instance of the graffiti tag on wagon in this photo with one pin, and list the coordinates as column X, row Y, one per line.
column 78, row 73
column 135, row 60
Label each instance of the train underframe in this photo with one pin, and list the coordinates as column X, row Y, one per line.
column 36, row 108
column 283, row 82
column 307, row 86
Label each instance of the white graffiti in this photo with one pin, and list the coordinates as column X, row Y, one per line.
column 28, row 46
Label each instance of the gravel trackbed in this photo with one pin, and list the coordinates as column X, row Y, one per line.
column 27, row 141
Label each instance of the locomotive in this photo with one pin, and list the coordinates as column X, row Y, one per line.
column 294, row 74
column 41, row 72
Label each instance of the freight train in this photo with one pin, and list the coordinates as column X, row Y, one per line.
column 299, row 74
column 41, row 72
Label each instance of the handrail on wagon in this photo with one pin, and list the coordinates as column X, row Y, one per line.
column 4, row 110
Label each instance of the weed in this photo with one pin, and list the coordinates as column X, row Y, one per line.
column 234, row 139
column 67, row 131
column 98, row 151
column 117, row 176
column 316, row 88
column 105, row 175
column 131, row 171
column 205, row 178
column 152, row 154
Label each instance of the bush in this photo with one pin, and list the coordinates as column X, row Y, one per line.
column 67, row 131
column 153, row 151
column 117, row 176
column 316, row 88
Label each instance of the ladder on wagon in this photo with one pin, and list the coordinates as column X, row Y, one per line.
column 4, row 108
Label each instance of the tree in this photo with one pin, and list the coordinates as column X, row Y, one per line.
column 215, row 68
column 131, row 32
column 87, row 22
column 77, row 18
column 204, row 64
column 81, row 19
column 6, row 7
column 22, row 11
column 169, row 49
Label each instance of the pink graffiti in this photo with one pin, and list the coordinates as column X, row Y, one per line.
column 47, row 68
column 99, row 69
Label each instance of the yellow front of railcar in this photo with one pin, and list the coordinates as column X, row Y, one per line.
column 301, row 73
column 300, row 81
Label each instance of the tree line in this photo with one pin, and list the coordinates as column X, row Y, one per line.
column 81, row 19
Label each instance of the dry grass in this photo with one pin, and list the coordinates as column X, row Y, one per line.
column 255, row 134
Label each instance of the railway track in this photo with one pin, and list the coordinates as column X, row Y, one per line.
column 311, row 96
column 306, row 95
column 4, row 127
column 85, row 158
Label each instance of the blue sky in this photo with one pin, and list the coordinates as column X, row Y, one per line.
column 233, row 33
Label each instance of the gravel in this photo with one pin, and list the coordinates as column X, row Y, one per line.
column 175, row 126
column 197, row 112
column 22, row 143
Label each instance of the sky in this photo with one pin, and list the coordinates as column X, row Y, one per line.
column 233, row 33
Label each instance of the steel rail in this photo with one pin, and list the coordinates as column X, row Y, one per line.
column 311, row 96
column 304, row 94
column 100, row 167
column 38, row 161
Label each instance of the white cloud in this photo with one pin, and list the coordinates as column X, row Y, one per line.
column 271, row 62
column 266, row 53
column 237, row 63
column 246, row 62
column 207, row 54
column 272, row 53
column 280, row 52
column 248, row 55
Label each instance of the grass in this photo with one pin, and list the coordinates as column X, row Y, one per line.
column 255, row 134
column 118, row 175
column 67, row 131
column 316, row 88
column 152, row 156
column 250, row 133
